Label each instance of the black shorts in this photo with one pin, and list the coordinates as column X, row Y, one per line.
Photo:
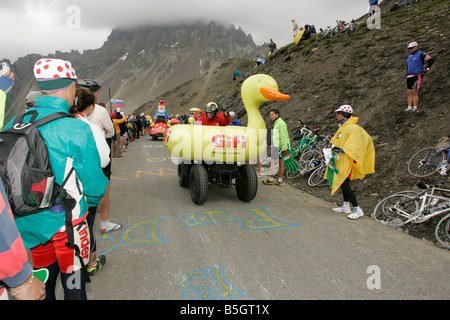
column 414, row 82
column 107, row 169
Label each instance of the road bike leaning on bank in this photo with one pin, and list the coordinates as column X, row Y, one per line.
column 429, row 161
column 409, row 206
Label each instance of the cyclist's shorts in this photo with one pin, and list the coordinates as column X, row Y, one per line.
column 413, row 82
column 55, row 249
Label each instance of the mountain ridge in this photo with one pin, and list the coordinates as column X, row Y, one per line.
column 137, row 64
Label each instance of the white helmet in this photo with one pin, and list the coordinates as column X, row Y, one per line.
column 412, row 45
column 32, row 96
column 345, row 108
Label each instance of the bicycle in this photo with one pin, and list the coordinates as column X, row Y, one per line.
column 310, row 142
column 317, row 177
column 406, row 207
column 442, row 231
column 301, row 131
column 403, row 3
column 326, row 33
column 429, row 161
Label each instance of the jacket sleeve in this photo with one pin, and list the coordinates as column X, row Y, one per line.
column 102, row 145
column 106, row 123
column 14, row 266
column 224, row 121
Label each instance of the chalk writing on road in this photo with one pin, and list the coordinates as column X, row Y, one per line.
column 207, row 284
column 263, row 219
column 147, row 232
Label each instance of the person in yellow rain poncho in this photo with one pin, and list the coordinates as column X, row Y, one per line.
column 355, row 159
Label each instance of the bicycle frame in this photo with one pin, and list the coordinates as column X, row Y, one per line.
column 426, row 199
column 302, row 144
column 443, row 169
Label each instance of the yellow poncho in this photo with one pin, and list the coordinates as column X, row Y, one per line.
column 359, row 157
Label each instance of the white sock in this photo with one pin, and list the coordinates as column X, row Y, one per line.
column 105, row 224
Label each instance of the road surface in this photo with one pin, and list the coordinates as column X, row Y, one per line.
column 284, row 245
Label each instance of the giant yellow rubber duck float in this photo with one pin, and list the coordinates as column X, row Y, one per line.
column 230, row 144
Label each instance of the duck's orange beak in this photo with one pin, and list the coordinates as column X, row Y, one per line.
column 274, row 95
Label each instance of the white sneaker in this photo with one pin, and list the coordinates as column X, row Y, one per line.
column 111, row 227
column 356, row 213
column 345, row 208
column 414, row 109
column 409, row 109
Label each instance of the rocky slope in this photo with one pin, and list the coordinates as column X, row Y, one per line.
column 365, row 70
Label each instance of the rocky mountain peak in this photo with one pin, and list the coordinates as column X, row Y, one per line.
column 140, row 63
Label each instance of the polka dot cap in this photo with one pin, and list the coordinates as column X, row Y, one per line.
column 345, row 108
column 54, row 69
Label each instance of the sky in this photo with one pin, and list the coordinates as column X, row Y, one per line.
column 46, row 26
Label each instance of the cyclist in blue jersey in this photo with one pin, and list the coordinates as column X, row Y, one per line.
column 414, row 74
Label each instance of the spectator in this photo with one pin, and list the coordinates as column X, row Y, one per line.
column 84, row 108
column 70, row 144
column 116, row 150
column 6, row 83
column 234, row 121
column 356, row 159
column 272, row 47
column 212, row 117
column 295, row 28
column 280, row 143
column 31, row 99
column 123, row 129
column 101, row 118
column 372, row 7
column 258, row 62
column 415, row 72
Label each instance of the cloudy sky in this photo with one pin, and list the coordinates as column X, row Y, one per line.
column 44, row 26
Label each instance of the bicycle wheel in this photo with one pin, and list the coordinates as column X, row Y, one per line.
column 295, row 135
column 425, row 162
column 442, row 231
column 316, row 179
column 291, row 175
column 309, row 161
column 397, row 206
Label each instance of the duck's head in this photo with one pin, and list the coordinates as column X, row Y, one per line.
column 260, row 88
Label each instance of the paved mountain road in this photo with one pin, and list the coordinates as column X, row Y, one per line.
column 284, row 245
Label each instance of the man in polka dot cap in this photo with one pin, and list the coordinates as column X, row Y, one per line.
column 70, row 144
column 54, row 74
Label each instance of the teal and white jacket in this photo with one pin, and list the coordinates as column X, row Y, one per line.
column 70, row 142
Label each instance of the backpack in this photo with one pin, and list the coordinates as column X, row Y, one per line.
column 25, row 167
column 27, row 175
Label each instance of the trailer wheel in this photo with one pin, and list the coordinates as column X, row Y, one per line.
column 246, row 183
column 198, row 184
